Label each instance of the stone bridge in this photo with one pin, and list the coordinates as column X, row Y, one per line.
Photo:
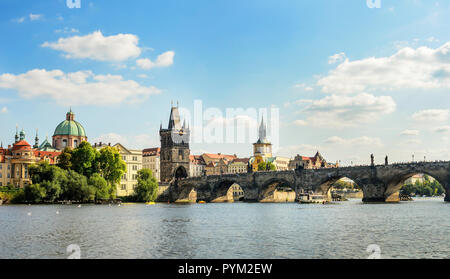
column 379, row 183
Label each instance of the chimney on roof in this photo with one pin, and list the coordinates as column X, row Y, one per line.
column 109, row 144
column 95, row 144
column 100, row 144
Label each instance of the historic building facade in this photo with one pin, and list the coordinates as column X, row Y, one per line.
column 196, row 166
column 174, row 158
column 133, row 160
column 151, row 161
column 69, row 133
column 16, row 159
column 315, row 162
column 238, row 165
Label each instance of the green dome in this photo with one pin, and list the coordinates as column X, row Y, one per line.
column 71, row 128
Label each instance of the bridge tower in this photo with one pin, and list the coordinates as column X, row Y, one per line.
column 174, row 160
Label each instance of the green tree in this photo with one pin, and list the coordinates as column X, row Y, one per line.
column 111, row 166
column 75, row 187
column 84, row 159
column 263, row 166
column 147, row 187
column 102, row 188
column 65, row 159
column 34, row 193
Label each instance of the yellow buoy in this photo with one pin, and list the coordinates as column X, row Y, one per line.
column 150, row 203
column 201, row 202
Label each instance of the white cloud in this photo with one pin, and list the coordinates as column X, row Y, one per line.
column 4, row 110
column 359, row 141
column 163, row 60
column 344, row 111
column 432, row 115
column 303, row 86
column 410, row 133
column 442, row 129
column 67, row 30
column 432, row 40
column 338, row 57
column 19, row 20
column 77, row 88
column 95, row 46
column 422, row 68
column 142, row 76
column 34, row 17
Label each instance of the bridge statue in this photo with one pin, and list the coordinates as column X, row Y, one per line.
column 372, row 163
column 380, row 183
column 386, row 161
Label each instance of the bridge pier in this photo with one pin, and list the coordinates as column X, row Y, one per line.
column 373, row 190
column 447, row 192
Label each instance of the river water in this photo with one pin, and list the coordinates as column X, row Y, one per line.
column 419, row 229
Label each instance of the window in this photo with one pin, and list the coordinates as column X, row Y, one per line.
column 135, row 158
column 1, row 175
column 135, row 167
column 124, row 177
column 1, row 166
column 124, row 186
column 75, row 143
column 124, row 158
column 64, row 143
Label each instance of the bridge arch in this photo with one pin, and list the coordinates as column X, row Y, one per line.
column 223, row 191
column 277, row 190
column 394, row 185
column 327, row 184
column 180, row 173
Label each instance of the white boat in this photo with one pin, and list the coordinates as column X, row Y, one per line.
column 312, row 198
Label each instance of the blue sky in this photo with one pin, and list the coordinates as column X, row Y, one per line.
column 348, row 80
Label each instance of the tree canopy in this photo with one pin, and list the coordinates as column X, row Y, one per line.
column 264, row 166
column 147, row 186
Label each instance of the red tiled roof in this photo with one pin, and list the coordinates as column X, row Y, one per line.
column 196, row 159
column 151, row 151
column 220, row 156
column 21, row 145
column 2, row 155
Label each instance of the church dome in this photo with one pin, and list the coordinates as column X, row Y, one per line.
column 70, row 127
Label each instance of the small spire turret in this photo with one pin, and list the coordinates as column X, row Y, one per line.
column 36, row 140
